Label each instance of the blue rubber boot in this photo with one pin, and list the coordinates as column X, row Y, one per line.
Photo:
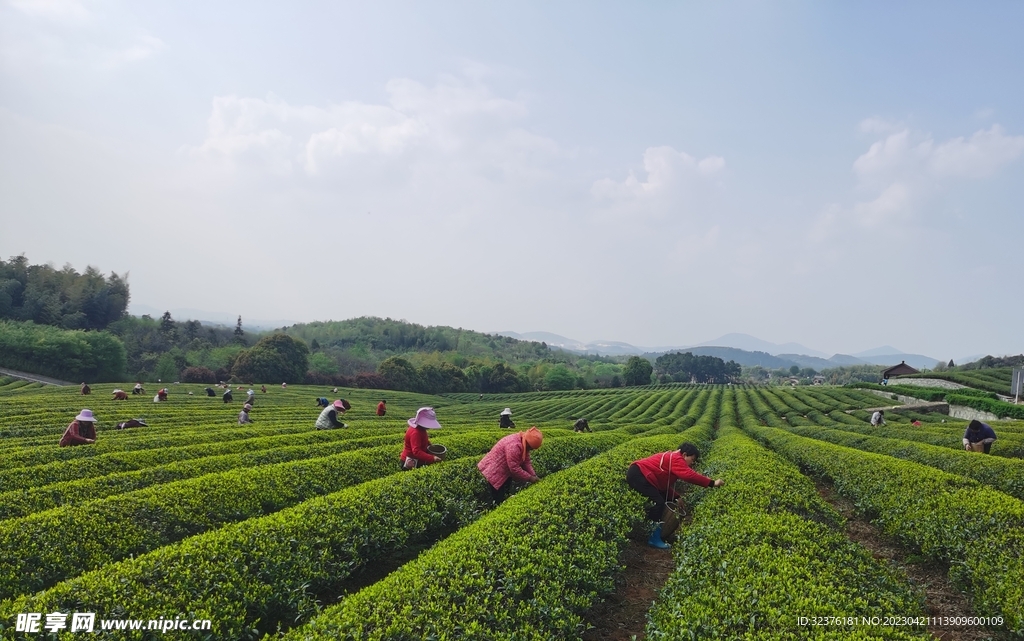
column 655, row 539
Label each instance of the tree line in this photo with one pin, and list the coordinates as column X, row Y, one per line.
column 61, row 298
column 684, row 367
column 75, row 326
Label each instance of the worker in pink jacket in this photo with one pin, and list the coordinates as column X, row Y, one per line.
column 509, row 460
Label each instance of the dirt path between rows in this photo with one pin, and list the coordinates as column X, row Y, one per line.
column 622, row 616
column 942, row 599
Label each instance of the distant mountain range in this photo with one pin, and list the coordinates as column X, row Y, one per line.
column 742, row 348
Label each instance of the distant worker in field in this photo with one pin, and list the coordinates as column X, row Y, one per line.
column 210, row 392
column 505, row 420
column 250, row 396
column 581, row 425
column 509, row 460
column 120, row 395
column 878, row 418
column 284, row 385
column 322, row 402
column 330, row 418
column 382, row 408
column 161, row 395
column 243, row 416
column 263, row 388
column 227, row 395
column 655, row 478
column 81, row 431
column 86, row 390
column 978, row 437
column 137, row 390
column 135, row 422
column 416, row 449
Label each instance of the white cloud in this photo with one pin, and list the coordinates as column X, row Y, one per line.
column 978, row 157
column 905, row 170
column 63, row 34
column 455, row 126
column 668, row 172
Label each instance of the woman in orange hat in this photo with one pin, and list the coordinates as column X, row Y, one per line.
column 509, row 460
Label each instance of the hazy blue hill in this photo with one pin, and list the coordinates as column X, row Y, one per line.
column 750, row 343
column 884, row 350
column 917, row 361
column 809, row 361
column 743, row 357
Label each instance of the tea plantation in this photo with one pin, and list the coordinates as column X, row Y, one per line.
column 275, row 530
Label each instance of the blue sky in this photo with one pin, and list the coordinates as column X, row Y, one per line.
column 843, row 176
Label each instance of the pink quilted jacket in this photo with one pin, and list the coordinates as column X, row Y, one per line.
column 506, row 460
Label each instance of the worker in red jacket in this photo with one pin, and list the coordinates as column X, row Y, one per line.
column 81, row 431
column 382, row 408
column 415, row 451
column 655, row 476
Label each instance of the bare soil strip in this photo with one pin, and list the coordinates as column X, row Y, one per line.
column 942, row 599
column 622, row 616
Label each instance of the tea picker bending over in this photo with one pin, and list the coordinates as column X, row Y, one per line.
column 509, row 460
column 655, row 476
column 329, row 418
column 415, row 452
column 505, row 421
column 979, row 437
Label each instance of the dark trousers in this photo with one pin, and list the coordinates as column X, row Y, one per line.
column 500, row 494
column 636, row 480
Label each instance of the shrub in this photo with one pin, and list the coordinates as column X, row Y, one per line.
column 369, row 380
column 332, row 380
column 198, row 375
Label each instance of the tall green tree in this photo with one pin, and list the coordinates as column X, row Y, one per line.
column 637, row 371
column 63, row 298
column 275, row 358
column 559, row 378
column 399, row 373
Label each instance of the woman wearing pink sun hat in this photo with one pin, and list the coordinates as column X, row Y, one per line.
column 330, row 417
column 415, row 451
column 81, row 431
